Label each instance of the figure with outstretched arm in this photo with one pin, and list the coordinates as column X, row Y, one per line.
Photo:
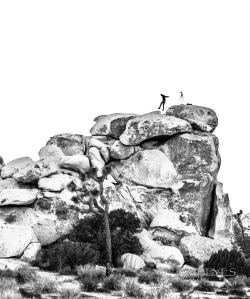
column 163, row 101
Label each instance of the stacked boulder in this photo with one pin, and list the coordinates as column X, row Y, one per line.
column 164, row 168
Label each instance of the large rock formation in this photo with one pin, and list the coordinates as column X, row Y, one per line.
column 163, row 167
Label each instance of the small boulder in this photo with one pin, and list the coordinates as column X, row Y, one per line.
column 201, row 118
column 51, row 152
column 153, row 252
column 198, row 249
column 36, row 170
column 18, row 197
column 70, row 144
column 9, row 184
column 78, row 163
column 132, row 261
column 13, row 166
column 14, row 239
column 152, row 125
column 55, row 182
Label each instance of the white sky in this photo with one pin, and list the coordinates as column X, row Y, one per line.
column 64, row 62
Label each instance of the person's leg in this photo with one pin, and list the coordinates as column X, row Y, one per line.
column 163, row 104
column 160, row 105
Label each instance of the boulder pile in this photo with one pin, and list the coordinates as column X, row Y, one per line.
column 164, row 168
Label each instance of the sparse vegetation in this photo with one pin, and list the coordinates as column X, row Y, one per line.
column 237, row 292
column 181, row 285
column 149, row 277
column 126, row 272
column 112, row 283
column 132, row 289
column 25, row 274
column 204, row 286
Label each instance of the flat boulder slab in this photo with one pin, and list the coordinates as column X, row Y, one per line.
column 15, row 239
column 110, row 125
column 49, row 221
column 70, row 144
column 9, row 183
column 13, row 166
column 201, row 118
column 55, row 182
column 36, row 170
column 132, row 261
column 198, row 249
column 222, row 216
column 196, row 161
column 120, row 151
column 150, row 168
column 181, row 224
column 18, row 197
column 155, row 253
column 51, row 152
column 153, row 125
column 79, row 163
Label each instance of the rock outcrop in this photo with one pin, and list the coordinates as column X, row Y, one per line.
column 163, row 167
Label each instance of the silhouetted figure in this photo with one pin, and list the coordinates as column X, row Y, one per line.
column 181, row 98
column 163, row 101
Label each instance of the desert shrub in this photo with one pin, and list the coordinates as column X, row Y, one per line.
column 247, row 281
column 90, row 284
column 7, row 274
column 149, row 277
column 44, row 285
column 68, row 293
column 181, row 285
column 8, row 288
column 90, row 271
column 90, row 277
column 67, row 255
column 25, row 274
column 112, row 283
column 204, row 286
column 222, row 292
column 162, row 291
column 238, row 282
column 232, row 260
column 126, row 272
column 61, row 210
column 132, row 289
column 123, row 225
column 237, row 292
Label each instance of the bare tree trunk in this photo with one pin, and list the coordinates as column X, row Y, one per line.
column 108, row 237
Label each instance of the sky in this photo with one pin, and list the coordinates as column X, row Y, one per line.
column 62, row 63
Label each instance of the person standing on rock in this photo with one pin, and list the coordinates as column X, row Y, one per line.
column 163, row 101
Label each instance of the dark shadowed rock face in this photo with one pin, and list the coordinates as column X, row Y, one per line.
column 222, row 218
column 70, row 144
column 118, row 126
column 201, row 118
